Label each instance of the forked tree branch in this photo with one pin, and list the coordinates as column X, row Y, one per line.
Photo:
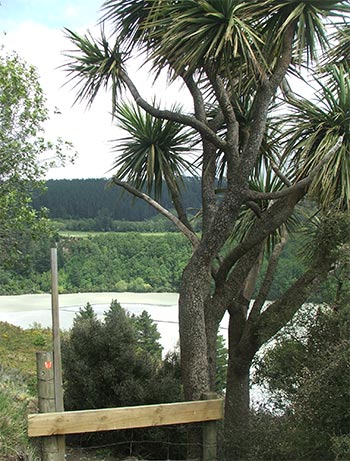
column 270, row 220
column 281, row 311
column 186, row 120
column 262, row 101
column 302, row 184
column 191, row 236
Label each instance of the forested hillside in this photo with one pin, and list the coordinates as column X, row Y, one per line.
column 90, row 198
column 107, row 262
column 126, row 261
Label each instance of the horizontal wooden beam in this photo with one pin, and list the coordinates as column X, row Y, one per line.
column 74, row 422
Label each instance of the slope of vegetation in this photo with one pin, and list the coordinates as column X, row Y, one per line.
column 106, row 262
column 18, row 387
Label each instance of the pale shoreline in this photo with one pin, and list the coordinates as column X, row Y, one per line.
column 20, row 303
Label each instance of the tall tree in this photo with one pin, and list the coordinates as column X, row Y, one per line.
column 24, row 154
column 260, row 147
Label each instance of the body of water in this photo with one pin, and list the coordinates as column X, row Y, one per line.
column 26, row 310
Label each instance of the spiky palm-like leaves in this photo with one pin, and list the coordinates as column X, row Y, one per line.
column 153, row 151
column 191, row 34
column 228, row 34
column 93, row 65
column 340, row 53
column 313, row 128
column 128, row 18
column 308, row 18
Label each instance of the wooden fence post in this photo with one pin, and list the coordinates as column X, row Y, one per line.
column 209, row 434
column 56, row 342
column 46, row 395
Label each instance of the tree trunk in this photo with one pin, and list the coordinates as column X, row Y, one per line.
column 236, row 426
column 237, row 393
column 193, row 342
column 212, row 327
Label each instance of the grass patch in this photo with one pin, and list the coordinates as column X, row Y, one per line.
column 18, row 347
column 15, row 404
column 18, row 387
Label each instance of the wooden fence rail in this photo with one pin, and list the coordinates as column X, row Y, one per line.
column 47, row 425
column 73, row 422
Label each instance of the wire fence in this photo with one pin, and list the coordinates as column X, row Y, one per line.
column 167, row 447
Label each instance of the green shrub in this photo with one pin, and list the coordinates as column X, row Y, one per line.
column 308, row 375
column 116, row 362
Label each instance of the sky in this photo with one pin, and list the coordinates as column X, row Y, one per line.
column 35, row 30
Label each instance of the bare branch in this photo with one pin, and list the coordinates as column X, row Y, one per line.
column 302, row 184
column 254, row 207
column 268, row 279
column 282, row 310
column 186, row 120
column 227, row 292
column 280, row 175
column 209, row 156
column 176, row 197
column 262, row 101
column 232, row 134
column 223, row 99
column 198, row 101
column 191, row 236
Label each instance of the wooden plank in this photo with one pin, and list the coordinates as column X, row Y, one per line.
column 74, row 422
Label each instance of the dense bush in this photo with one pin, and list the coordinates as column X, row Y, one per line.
column 116, row 362
column 308, row 373
column 126, row 261
column 106, row 224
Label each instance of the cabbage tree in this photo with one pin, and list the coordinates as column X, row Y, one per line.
column 261, row 150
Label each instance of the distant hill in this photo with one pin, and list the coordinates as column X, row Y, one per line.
column 88, row 198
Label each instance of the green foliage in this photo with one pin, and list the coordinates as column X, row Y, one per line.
column 147, row 335
column 22, row 149
column 153, row 151
column 18, row 387
column 307, row 20
column 313, row 127
column 307, row 372
column 116, row 362
column 105, row 262
column 15, row 403
column 111, row 61
column 18, row 347
column 221, row 364
column 133, row 262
